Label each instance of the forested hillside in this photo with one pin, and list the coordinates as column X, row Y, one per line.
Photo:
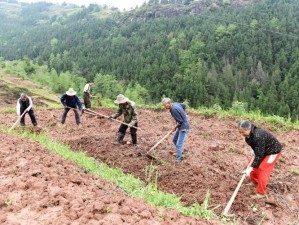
column 207, row 52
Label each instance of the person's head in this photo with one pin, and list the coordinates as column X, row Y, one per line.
column 23, row 97
column 244, row 127
column 121, row 100
column 71, row 92
column 91, row 84
column 166, row 103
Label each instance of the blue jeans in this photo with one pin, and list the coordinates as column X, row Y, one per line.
column 179, row 139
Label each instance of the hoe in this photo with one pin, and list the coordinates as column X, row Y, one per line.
column 96, row 113
column 12, row 127
column 159, row 142
column 230, row 202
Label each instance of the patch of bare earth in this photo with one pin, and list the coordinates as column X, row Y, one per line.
column 215, row 154
column 38, row 187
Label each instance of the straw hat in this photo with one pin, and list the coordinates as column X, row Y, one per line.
column 71, row 92
column 121, row 99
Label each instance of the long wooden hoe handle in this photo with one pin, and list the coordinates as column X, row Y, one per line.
column 159, row 142
column 88, row 110
column 91, row 113
column 230, row 202
column 12, row 127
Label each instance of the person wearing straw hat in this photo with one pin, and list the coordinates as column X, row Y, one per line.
column 71, row 101
column 24, row 104
column 87, row 95
column 177, row 111
column 129, row 110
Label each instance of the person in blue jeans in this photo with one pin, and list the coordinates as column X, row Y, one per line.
column 177, row 111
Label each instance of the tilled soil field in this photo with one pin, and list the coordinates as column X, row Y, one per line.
column 215, row 154
column 38, row 187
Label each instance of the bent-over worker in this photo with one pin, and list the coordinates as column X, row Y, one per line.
column 266, row 149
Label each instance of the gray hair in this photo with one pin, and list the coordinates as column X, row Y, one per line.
column 245, row 124
column 166, row 100
column 23, row 94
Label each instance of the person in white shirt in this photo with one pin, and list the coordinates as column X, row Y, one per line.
column 87, row 95
column 24, row 105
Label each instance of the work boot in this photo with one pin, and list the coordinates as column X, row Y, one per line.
column 134, row 145
column 22, row 124
column 119, row 138
column 134, row 142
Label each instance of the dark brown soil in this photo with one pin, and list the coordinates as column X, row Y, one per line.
column 215, row 154
column 38, row 187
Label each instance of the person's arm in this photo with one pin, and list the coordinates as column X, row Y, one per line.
column 177, row 117
column 117, row 114
column 63, row 100
column 134, row 116
column 18, row 108
column 259, row 152
column 180, row 117
column 78, row 102
column 30, row 104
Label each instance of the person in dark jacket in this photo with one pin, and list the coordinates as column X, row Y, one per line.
column 177, row 111
column 70, row 101
column 266, row 149
column 129, row 110
column 24, row 104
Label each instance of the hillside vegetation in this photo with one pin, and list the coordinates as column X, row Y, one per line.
column 210, row 53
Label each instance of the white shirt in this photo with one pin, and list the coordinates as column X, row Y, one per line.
column 86, row 88
column 19, row 105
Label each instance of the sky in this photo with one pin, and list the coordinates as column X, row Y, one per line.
column 121, row 4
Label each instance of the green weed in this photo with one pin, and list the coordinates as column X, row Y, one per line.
column 294, row 171
column 263, row 217
column 107, row 210
column 8, row 202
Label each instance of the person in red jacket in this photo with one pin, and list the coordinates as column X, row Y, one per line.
column 266, row 149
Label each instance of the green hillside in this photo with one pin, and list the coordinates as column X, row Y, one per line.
column 11, row 86
column 207, row 52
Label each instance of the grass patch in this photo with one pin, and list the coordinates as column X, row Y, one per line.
column 273, row 122
column 8, row 202
column 294, row 171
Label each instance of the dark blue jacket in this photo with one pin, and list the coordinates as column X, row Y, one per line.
column 71, row 101
column 177, row 111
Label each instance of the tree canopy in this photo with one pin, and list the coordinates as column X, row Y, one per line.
column 215, row 52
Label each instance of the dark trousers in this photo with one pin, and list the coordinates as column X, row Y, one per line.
column 86, row 99
column 66, row 110
column 32, row 117
column 123, row 128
